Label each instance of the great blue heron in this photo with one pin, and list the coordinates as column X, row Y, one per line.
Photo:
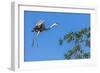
column 40, row 27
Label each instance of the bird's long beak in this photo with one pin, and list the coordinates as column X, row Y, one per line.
column 55, row 24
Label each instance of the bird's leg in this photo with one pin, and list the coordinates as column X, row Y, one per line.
column 38, row 33
column 33, row 41
column 35, row 38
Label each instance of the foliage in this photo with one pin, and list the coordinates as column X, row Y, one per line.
column 79, row 38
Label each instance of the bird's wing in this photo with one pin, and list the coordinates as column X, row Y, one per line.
column 39, row 22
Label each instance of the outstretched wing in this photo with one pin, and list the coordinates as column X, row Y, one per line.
column 39, row 22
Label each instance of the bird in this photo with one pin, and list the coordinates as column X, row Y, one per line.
column 40, row 27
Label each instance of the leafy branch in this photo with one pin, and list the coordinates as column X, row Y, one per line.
column 79, row 38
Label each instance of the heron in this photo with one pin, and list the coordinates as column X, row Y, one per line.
column 40, row 27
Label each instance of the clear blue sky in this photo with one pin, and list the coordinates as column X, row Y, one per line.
column 48, row 45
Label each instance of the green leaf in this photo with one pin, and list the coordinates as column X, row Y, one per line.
column 69, row 37
column 87, row 55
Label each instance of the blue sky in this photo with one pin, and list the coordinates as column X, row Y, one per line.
column 48, row 45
